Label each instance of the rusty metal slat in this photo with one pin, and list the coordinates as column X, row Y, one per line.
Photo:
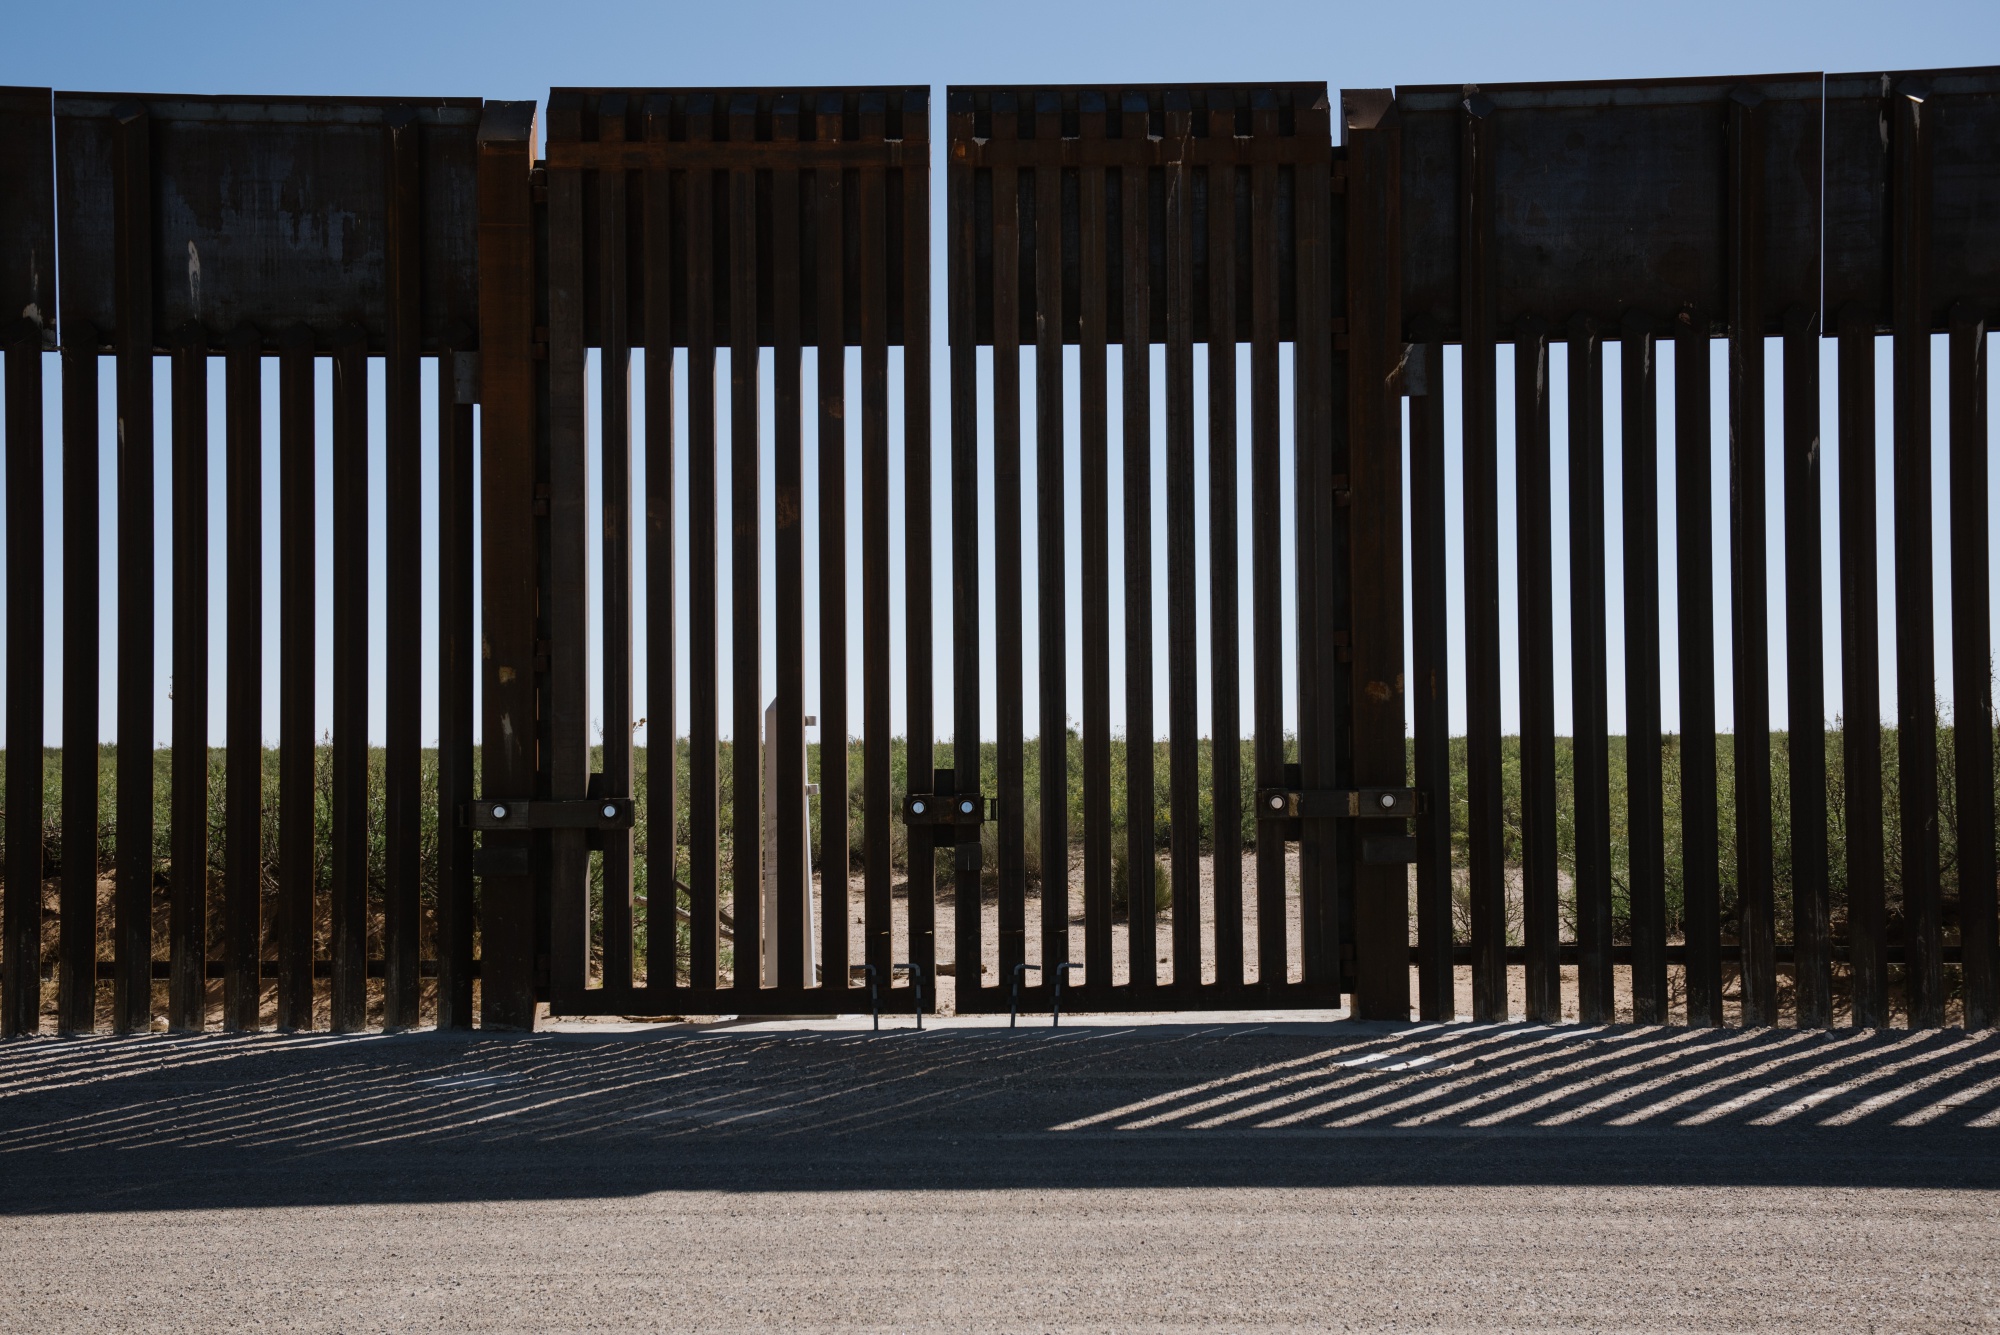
column 456, row 665
column 132, row 991
column 187, row 919
column 1009, row 691
column 1374, row 466
column 298, row 666
column 1183, row 746
column 1094, row 444
column 1701, row 840
column 1225, row 625
column 1805, row 674
column 1590, row 685
column 1431, row 680
column 1645, row 784
column 1337, row 433
column 244, row 670
column 20, row 967
column 1051, row 447
column 1750, row 619
column 1136, row 372
column 1321, row 450
column 1534, row 524
column 745, row 555
column 564, row 771
column 1861, row 671
column 349, row 654
column 704, row 777
column 27, row 222
column 788, row 728
column 922, row 726
column 662, row 963
column 508, row 410
column 968, row 951
column 1910, row 139
column 402, row 382
column 1478, row 304
column 1972, row 670
column 835, row 851
column 876, row 801
column 614, row 397
column 76, row 997
column 1267, row 611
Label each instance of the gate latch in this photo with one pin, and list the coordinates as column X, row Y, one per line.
column 1361, row 804
column 948, row 809
column 503, row 813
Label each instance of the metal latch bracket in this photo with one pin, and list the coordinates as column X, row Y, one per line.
column 948, row 809
column 521, row 814
column 1356, row 804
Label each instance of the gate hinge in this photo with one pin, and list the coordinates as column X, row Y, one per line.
column 948, row 809
column 505, row 813
column 1363, row 803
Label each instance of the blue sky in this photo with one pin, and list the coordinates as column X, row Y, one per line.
column 497, row 50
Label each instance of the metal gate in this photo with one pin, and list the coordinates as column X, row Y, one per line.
column 764, row 223
column 1126, row 217
column 772, row 222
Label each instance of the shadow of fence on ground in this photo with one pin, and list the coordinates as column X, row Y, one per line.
column 96, row 1123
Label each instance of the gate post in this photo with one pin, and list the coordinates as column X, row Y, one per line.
column 1375, row 537
column 507, row 554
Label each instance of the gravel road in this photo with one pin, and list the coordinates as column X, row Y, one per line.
column 1127, row 1176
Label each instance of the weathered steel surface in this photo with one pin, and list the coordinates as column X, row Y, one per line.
column 76, row 977
column 1861, row 669
column 270, row 211
column 1610, row 196
column 1371, row 433
column 1644, row 784
column 28, row 210
column 508, row 394
column 243, row 824
column 21, row 934
column 1960, row 111
column 1430, row 682
column 1534, row 521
